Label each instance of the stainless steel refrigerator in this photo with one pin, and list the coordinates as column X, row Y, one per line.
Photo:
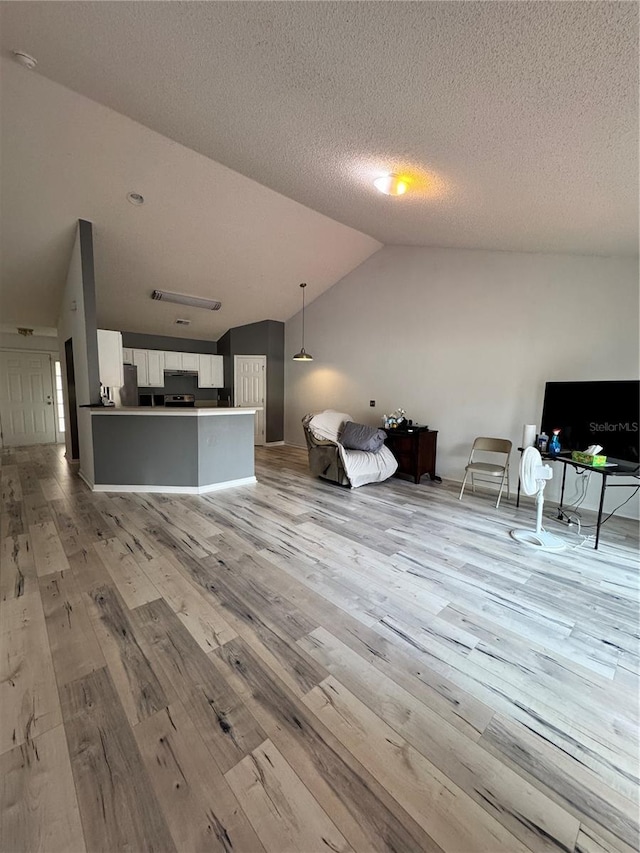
column 129, row 391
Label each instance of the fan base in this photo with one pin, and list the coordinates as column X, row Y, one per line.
column 542, row 540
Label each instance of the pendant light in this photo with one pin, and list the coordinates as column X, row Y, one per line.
column 302, row 355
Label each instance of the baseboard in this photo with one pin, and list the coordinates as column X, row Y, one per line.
column 274, row 444
column 88, row 482
column 173, row 490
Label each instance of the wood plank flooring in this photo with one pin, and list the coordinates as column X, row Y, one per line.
column 295, row 666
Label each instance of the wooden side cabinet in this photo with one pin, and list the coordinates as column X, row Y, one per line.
column 415, row 450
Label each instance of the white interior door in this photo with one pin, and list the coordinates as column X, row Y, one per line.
column 250, row 388
column 27, row 412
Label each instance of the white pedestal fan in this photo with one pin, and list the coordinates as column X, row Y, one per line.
column 533, row 477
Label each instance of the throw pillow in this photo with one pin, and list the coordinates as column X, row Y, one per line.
column 361, row 437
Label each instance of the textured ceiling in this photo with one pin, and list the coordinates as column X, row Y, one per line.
column 520, row 119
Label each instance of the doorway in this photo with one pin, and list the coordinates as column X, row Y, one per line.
column 250, row 388
column 71, row 399
column 27, row 413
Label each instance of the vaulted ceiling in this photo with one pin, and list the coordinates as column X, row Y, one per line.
column 255, row 129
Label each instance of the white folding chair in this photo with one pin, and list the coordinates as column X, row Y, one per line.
column 484, row 445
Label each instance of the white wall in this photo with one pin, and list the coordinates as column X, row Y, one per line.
column 464, row 341
column 40, row 343
column 77, row 321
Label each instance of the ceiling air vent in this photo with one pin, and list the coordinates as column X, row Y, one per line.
column 183, row 299
column 181, row 322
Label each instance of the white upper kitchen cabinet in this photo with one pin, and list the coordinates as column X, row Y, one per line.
column 190, row 361
column 110, row 358
column 172, row 360
column 181, row 361
column 156, row 368
column 210, row 371
column 150, row 364
column 141, row 361
column 127, row 355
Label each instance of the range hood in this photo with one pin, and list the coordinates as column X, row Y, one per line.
column 181, row 372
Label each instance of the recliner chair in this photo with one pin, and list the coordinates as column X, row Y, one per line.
column 347, row 466
column 324, row 457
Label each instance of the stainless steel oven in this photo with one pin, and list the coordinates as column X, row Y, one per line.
column 185, row 401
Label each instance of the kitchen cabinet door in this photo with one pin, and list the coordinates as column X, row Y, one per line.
column 141, row 361
column 217, row 371
column 156, row 368
column 190, row 361
column 205, row 378
column 127, row 355
column 172, row 360
column 210, row 371
column 110, row 358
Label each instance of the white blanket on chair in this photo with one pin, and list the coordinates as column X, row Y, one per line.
column 327, row 425
column 363, row 467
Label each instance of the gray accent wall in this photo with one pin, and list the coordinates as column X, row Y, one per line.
column 164, row 342
column 90, row 315
column 224, row 349
column 264, row 338
column 275, row 382
column 77, row 322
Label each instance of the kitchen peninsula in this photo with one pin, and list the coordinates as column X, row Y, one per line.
column 186, row 451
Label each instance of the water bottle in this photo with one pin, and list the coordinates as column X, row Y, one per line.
column 554, row 444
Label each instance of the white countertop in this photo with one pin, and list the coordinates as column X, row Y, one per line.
column 177, row 412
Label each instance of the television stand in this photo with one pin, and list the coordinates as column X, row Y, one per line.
column 618, row 469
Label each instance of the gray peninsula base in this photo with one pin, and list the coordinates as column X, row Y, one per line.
column 190, row 451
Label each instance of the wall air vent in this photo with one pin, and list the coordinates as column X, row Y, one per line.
column 181, row 322
column 183, row 299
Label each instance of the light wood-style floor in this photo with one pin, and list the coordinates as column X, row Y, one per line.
column 294, row 666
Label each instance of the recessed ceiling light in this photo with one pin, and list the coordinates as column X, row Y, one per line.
column 135, row 198
column 24, row 59
column 391, row 184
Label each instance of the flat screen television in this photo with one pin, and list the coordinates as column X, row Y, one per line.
column 605, row 413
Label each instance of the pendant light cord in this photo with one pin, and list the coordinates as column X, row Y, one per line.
column 302, row 355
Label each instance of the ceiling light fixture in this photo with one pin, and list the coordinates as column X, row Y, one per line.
column 24, row 59
column 183, row 299
column 391, row 184
column 135, row 198
column 303, row 355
